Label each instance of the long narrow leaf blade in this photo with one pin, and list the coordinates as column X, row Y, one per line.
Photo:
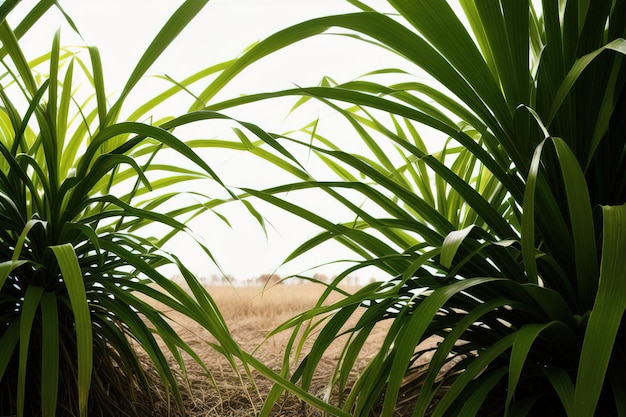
column 177, row 22
column 607, row 313
column 73, row 278
column 29, row 309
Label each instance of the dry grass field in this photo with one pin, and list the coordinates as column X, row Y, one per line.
column 251, row 313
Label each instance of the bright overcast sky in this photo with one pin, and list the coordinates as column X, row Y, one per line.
column 122, row 29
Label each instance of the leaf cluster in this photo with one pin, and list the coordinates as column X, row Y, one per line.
column 83, row 303
column 505, row 242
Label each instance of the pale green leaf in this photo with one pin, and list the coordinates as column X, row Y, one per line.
column 172, row 28
column 451, row 244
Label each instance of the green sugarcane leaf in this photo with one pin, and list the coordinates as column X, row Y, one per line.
column 415, row 329
column 606, row 315
column 381, row 28
column 457, row 45
column 7, row 267
column 325, row 337
column 472, row 372
column 145, row 337
column 73, row 278
column 98, row 83
column 581, row 219
column 146, row 107
column 617, row 45
column 528, row 217
column 479, row 392
column 63, row 119
column 11, row 46
column 429, row 388
column 143, row 131
column 606, row 111
column 33, row 106
column 172, row 28
column 29, row 309
column 524, row 339
column 451, row 244
column 53, row 78
column 6, row 8
column 291, row 387
column 34, row 14
column 22, row 239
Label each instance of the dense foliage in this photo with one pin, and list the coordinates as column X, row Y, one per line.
column 85, row 184
column 83, row 323
column 507, row 240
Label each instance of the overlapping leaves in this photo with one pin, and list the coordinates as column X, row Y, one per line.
column 81, row 288
column 496, row 240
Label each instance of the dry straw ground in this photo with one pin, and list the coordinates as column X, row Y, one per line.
column 251, row 313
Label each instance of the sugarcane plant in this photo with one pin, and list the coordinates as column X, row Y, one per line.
column 90, row 192
column 504, row 238
column 83, row 300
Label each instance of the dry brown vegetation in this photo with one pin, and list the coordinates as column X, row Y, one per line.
column 251, row 313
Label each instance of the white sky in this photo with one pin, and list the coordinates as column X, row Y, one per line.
column 122, row 29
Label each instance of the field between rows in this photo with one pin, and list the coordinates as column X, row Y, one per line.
column 251, row 314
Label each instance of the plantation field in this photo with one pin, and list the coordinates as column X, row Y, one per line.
column 251, row 313
column 483, row 170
